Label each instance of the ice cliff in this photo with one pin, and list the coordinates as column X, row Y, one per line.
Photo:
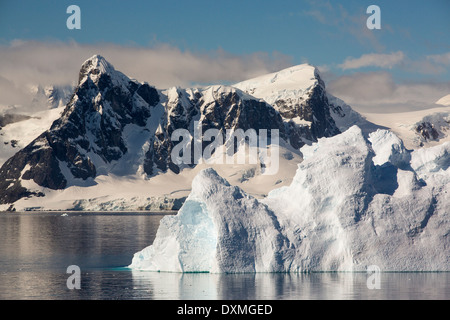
column 353, row 202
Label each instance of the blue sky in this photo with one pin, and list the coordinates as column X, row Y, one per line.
column 412, row 47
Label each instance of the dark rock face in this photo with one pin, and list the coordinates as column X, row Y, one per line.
column 38, row 162
column 318, row 112
column 91, row 131
column 427, row 131
column 227, row 111
column 313, row 111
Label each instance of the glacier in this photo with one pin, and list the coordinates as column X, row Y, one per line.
column 354, row 201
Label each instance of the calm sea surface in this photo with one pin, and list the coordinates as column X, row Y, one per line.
column 37, row 248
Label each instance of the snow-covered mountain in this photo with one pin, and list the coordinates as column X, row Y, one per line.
column 115, row 129
column 19, row 125
column 295, row 93
column 354, row 202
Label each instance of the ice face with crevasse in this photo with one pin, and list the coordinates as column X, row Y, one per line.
column 353, row 202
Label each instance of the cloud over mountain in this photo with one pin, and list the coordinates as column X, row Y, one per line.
column 36, row 62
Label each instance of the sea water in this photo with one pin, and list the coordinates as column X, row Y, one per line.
column 36, row 249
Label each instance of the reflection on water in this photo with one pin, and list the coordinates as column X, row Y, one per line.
column 290, row 286
column 125, row 284
column 50, row 240
column 37, row 248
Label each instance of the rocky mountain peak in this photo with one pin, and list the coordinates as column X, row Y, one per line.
column 100, row 71
column 298, row 93
column 96, row 65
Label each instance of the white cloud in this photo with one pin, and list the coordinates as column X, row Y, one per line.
column 380, row 60
column 442, row 59
column 378, row 92
column 31, row 62
column 428, row 65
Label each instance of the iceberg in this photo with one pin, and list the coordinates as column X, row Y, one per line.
column 219, row 228
column 354, row 202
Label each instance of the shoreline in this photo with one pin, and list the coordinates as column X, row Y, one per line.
column 69, row 212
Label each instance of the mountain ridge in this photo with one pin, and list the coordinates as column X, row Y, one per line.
column 115, row 125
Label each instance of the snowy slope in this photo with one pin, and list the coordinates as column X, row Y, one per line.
column 32, row 119
column 164, row 191
column 444, row 100
column 422, row 128
column 342, row 212
column 345, row 117
column 23, row 132
column 291, row 83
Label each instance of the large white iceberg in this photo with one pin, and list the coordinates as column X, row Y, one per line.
column 352, row 203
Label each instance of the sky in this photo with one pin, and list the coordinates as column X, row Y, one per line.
column 403, row 66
